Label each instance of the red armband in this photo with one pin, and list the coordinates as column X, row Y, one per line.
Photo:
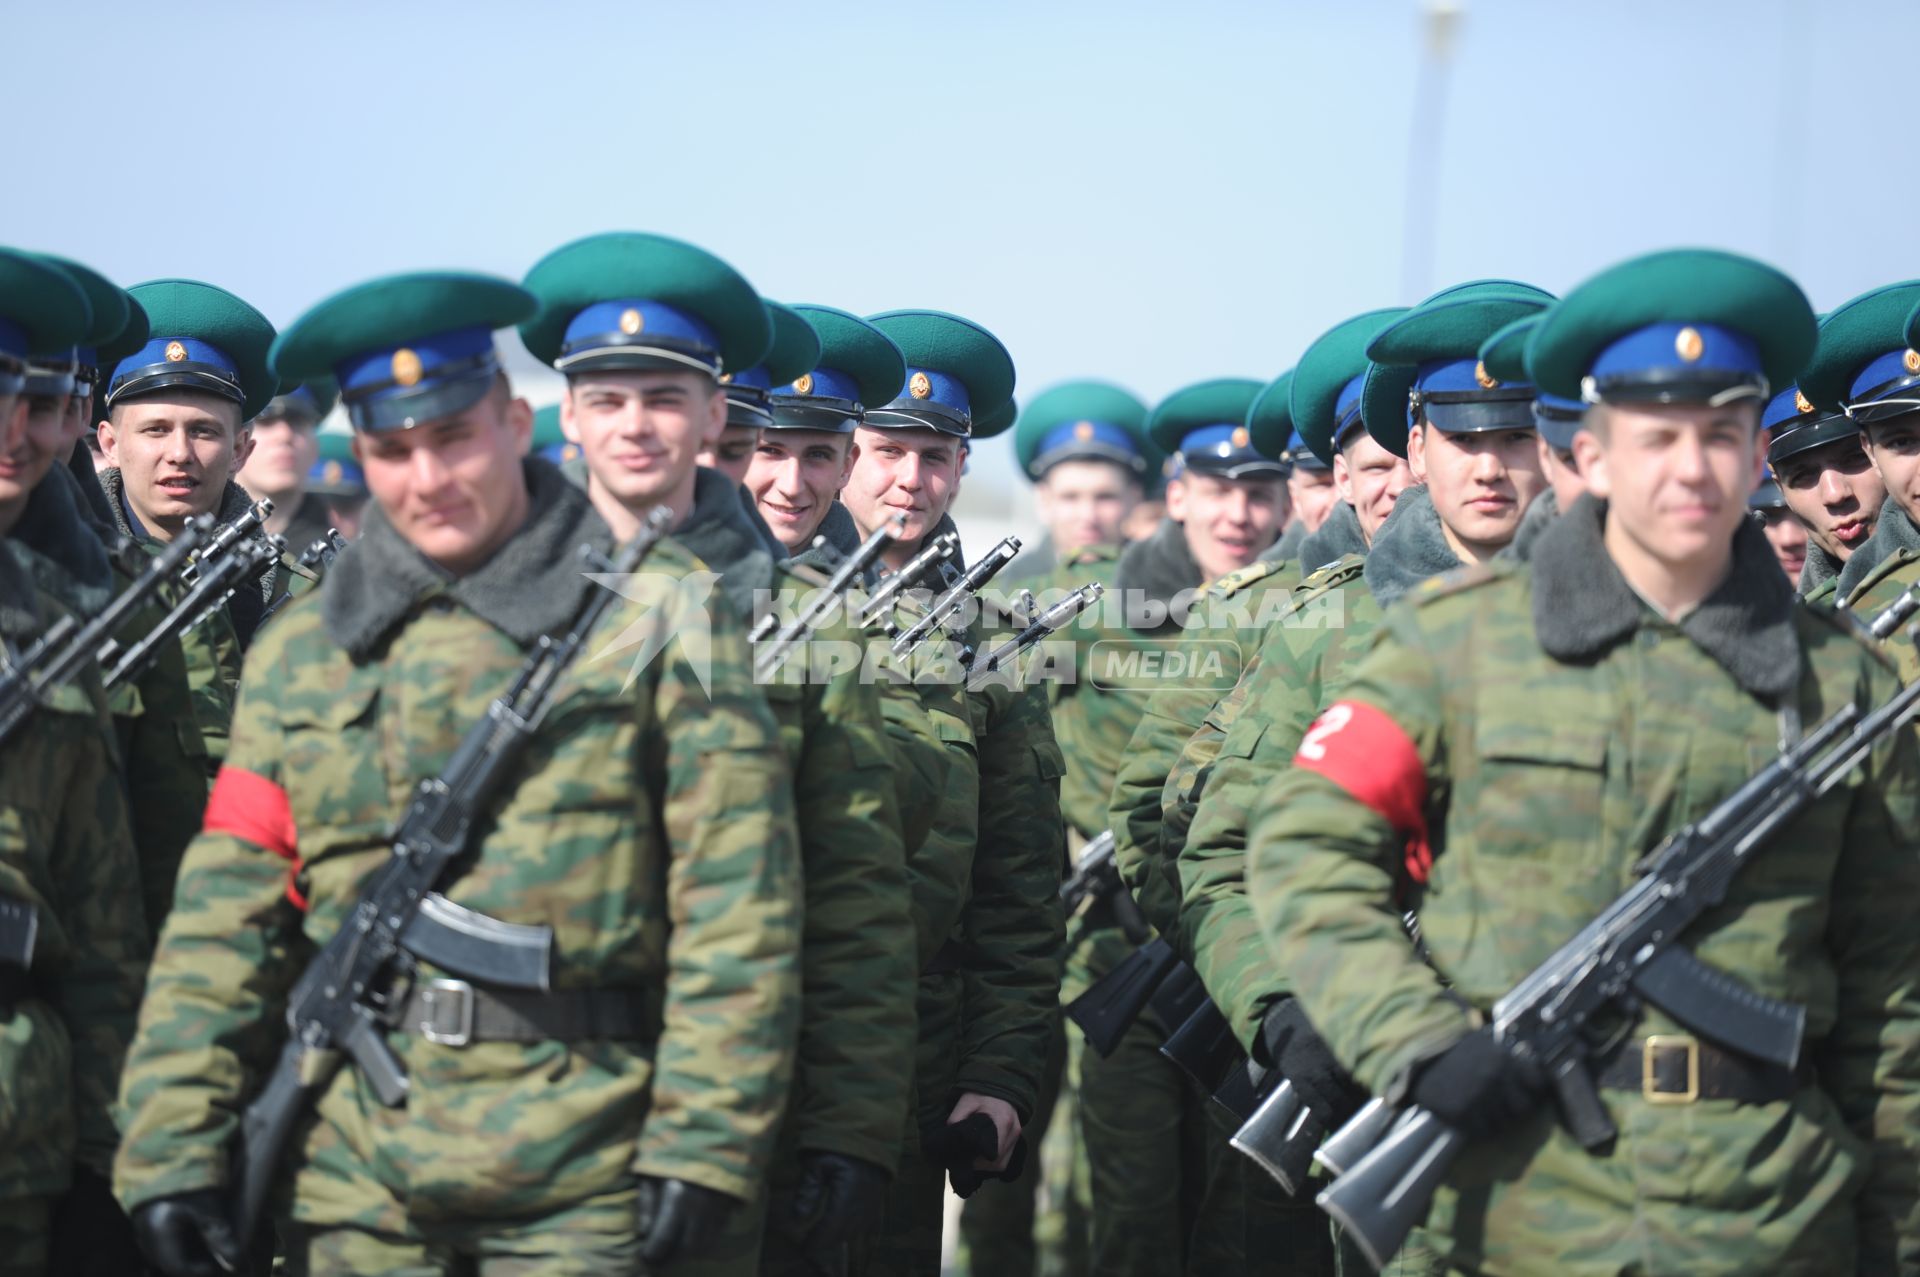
column 1362, row 750
column 254, row 809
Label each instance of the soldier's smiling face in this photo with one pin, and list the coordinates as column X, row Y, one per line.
column 1370, row 479
column 641, row 433
column 453, row 486
column 1480, row 483
column 1084, row 503
column 794, row 477
column 1313, row 494
column 1227, row 522
column 1676, row 476
column 1894, row 445
column 912, row 473
column 176, row 450
column 14, row 487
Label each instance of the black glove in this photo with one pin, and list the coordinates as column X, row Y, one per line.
column 838, row 1197
column 1478, row 1087
column 958, row 1145
column 677, row 1220
column 91, row 1235
column 183, row 1234
column 1291, row 1045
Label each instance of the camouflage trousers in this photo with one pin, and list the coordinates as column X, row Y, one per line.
column 907, row 1244
column 25, row 1224
column 595, row 1237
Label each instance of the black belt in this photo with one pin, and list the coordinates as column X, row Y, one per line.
column 945, row 961
column 1673, row 1068
column 454, row 1013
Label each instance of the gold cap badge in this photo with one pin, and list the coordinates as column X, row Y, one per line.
column 1240, row 437
column 331, row 472
column 1912, row 360
column 803, row 384
column 175, row 352
column 1801, row 403
column 726, row 379
column 631, row 321
column 1689, row 345
column 1083, row 431
column 405, row 367
column 1480, row 375
column 919, row 386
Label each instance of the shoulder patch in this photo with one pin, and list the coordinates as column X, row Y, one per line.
column 1882, row 571
column 1338, row 572
column 1459, row 581
column 1091, row 554
column 1240, row 578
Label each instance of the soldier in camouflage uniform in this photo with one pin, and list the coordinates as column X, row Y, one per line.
column 1865, row 367
column 985, row 879
column 1535, row 728
column 842, row 1135
column 177, row 408
column 619, row 1117
column 286, row 444
column 83, row 563
column 1151, row 1144
column 66, row 856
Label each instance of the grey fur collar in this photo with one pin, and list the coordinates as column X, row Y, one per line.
column 1582, row 606
column 531, row 586
column 19, row 609
column 55, row 528
column 1333, row 540
column 1287, row 548
column 720, row 532
column 1538, row 518
column 1821, row 567
column 1893, row 532
column 1409, row 548
column 233, row 503
column 1160, row 567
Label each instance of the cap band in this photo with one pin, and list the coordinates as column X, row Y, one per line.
column 641, row 335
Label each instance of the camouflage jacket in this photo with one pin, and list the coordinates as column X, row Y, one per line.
column 84, row 565
column 986, row 878
column 1167, row 724
column 215, row 649
column 1546, row 729
column 857, row 970
column 649, row 824
column 66, row 850
column 1881, row 571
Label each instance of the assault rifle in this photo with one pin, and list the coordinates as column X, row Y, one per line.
column 1394, row 1159
column 894, row 586
column 772, row 653
column 1047, row 623
column 339, row 1003
column 215, row 578
column 949, row 605
column 69, row 646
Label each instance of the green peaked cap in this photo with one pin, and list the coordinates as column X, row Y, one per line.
column 1451, row 324
column 1677, row 286
column 1505, row 352
column 851, row 346
column 47, row 304
column 406, row 348
column 116, row 317
column 622, row 266
column 1335, row 358
column 795, row 348
column 1205, row 403
column 958, row 374
column 1093, row 410
column 1270, row 416
column 189, row 310
column 1855, row 334
column 546, row 428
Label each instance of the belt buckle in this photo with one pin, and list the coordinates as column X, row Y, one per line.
column 1650, row 1051
column 457, row 997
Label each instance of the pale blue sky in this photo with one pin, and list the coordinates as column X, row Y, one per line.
column 1150, row 193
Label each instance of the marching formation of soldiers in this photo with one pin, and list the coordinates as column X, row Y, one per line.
column 1451, row 808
